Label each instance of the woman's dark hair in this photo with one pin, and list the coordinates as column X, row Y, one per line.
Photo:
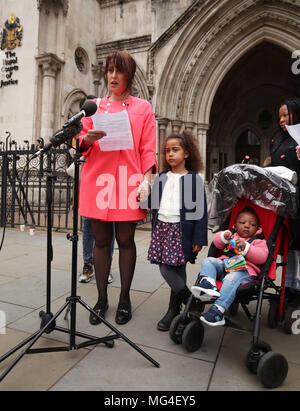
column 124, row 63
column 293, row 106
column 249, row 210
column 189, row 144
column 83, row 99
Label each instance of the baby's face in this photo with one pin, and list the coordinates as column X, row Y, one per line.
column 246, row 225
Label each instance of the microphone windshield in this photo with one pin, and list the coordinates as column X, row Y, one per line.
column 89, row 107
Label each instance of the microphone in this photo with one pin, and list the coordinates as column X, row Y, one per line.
column 69, row 130
column 60, row 137
column 88, row 109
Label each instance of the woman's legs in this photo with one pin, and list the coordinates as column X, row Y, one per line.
column 127, row 256
column 103, row 232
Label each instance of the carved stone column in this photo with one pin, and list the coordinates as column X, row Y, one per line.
column 162, row 126
column 64, row 4
column 50, row 65
column 176, row 126
column 97, row 72
column 202, row 142
column 189, row 126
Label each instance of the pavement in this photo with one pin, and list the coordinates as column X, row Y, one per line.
column 219, row 365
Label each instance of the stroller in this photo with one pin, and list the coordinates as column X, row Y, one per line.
column 275, row 202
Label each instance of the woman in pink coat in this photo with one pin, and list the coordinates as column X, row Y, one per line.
column 119, row 143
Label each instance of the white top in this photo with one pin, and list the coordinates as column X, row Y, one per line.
column 169, row 210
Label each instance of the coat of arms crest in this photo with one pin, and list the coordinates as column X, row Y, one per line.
column 11, row 34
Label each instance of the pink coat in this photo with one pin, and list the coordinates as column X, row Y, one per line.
column 109, row 179
column 255, row 253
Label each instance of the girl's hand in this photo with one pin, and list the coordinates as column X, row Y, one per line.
column 227, row 235
column 196, row 248
column 92, row 136
column 298, row 152
column 240, row 244
column 143, row 190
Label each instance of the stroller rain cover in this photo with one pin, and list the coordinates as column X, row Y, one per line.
column 260, row 186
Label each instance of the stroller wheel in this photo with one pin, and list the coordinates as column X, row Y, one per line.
column 193, row 335
column 176, row 329
column 272, row 369
column 254, row 354
column 289, row 319
column 273, row 314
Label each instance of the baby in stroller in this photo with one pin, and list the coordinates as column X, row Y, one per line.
column 243, row 250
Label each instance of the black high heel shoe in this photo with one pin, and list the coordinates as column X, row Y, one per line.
column 123, row 314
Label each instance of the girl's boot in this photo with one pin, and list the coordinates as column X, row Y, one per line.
column 173, row 310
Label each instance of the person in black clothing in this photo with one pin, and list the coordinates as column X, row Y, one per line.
column 284, row 153
column 284, row 148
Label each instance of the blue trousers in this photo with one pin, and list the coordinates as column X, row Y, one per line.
column 88, row 241
column 214, row 268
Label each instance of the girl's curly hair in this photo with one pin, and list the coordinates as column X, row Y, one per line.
column 189, row 144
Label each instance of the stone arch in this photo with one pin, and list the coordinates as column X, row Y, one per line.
column 210, row 45
column 199, row 61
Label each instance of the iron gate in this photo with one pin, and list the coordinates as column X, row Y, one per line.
column 24, row 186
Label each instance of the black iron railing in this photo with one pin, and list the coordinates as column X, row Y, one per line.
column 23, row 185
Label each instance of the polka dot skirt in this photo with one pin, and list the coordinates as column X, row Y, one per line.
column 166, row 244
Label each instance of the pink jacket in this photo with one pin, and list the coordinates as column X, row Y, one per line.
column 109, row 180
column 255, row 253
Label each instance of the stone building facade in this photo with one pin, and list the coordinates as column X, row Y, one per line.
column 219, row 68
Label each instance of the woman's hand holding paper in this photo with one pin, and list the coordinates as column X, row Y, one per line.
column 92, row 136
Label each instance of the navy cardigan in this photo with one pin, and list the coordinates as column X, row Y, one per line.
column 193, row 210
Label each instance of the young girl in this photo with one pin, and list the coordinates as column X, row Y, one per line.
column 179, row 218
column 249, row 241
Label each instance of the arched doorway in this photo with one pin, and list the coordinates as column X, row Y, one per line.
column 247, row 148
column 244, row 114
column 227, row 72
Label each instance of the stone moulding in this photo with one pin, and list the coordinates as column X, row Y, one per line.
column 59, row 3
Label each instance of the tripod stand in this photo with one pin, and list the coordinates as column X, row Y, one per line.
column 48, row 323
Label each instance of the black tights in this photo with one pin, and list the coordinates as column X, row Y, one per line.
column 103, row 233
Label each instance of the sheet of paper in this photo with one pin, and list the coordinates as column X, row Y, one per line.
column 117, row 129
column 294, row 131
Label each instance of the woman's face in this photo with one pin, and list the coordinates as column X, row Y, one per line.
column 116, row 80
column 284, row 119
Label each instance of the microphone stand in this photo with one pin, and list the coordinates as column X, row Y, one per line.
column 49, row 320
column 51, row 177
